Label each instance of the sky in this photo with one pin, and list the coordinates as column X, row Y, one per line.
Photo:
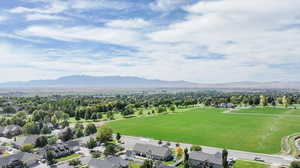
column 205, row 41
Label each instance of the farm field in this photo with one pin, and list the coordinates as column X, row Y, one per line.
column 212, row 127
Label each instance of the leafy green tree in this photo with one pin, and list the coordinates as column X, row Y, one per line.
column 147, row 164
column 79, row 133
column 41, row 141
column 110, row 149
column 50, row 157
column 45, row 129
column 295, row 164
column 67, row 134
column 104, row 134
column 118, row 137
column 91, row 143
column 224, row 158
column 90, row 129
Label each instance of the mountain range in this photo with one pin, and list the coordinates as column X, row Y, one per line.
column 84, row 81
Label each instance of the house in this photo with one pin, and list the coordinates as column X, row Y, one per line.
column 30, row 160
column 29, row 140
column 10, row 131
column 198, row 159
column 2, row 150
column 110, row 162
column 73, row 145
column 60, row 149
column 226, row 105
column 152, row 151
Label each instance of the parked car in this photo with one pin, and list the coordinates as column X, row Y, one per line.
column 259, row 159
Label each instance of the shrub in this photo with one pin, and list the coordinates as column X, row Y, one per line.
column 27, row 148
column 196, row 148
column 295, row 164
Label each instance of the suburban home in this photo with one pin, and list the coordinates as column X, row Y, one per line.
column 29, row 140
column 30, row 160
column 153, row 152
column 198, row 159
column 60, row 149
column 2, row 150
column 10, row 131
column 110, row 162
column 226, row 105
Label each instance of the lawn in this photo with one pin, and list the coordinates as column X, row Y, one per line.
column 212, row 127
column 75, row 155
column 249, row 164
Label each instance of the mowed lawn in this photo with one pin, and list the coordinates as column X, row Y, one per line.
column 212, row 127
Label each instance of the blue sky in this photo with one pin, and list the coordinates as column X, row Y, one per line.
column 206, row 41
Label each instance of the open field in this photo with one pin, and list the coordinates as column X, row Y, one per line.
column 212, row 127
column 249, row 164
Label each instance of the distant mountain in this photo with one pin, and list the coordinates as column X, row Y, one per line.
column 83, row 81
column 111, row 82
column 254, row 85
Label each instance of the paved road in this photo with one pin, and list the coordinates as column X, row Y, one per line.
column 277, row 160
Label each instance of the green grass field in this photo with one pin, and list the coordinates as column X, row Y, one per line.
column 212, row 127
column 249, row 164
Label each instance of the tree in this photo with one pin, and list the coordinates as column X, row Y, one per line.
column 224, row 158
column 110, row 150
column 285, row 101
column 41, row 141
column 79, row 133
column 104, row 134
column 45, row 129
column 173, row 108
column 31, row 128
column 186, row 158
column 147, row 164
column 263, row 100
column 118, row 137
column 90, row 129
column 26, row 148
column 295, row 164
column 178, row 151
column 50, row 157
column 75, row 162
column 9, row 110
column 67, row 134
column 91, row 143
column 94, row 117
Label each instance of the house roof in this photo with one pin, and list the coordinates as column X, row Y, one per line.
column 211, row 158
column 155, row 150
column 26, row 140
column 95, row 163
column 9, row 128
column 22, row 156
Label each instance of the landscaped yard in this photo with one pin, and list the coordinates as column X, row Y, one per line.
column 249, row 164
column 75, row 155
column 212, row 127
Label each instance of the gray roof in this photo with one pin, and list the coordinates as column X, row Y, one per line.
column 211, row 158
column 95, row 163
column 22, row 156
column 155, row 150
column 26, row 140
column 10, row 128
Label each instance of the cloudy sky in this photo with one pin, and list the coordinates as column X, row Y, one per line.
column 206, row 41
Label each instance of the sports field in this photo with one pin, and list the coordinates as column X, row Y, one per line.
column 239, row 129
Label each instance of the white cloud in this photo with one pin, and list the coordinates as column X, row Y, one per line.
column 36, row 16
column 55, row 6
column 129, row 23
column 167, row 5
column 3, row 18
column 106, row 35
